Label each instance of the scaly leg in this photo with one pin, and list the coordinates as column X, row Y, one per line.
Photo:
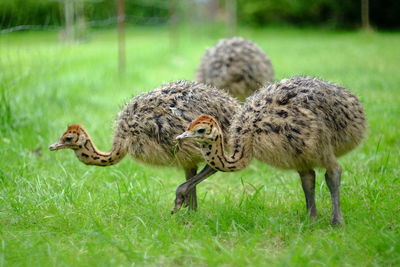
column 308, row 184
column 191, row 201
column 332, row 177
column 182, row 192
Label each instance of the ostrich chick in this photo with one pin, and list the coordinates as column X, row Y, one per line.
column 299, row 123
column 236, row 65
column 146, row 129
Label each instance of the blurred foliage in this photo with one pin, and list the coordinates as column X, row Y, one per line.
column 337, row 13
column 334, row 13
column 34, row 12
column 50, row 12
column 331, row 13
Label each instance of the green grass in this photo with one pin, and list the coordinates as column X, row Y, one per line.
column 55, row 211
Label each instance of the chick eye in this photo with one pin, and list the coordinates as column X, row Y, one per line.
column 200, row 131
column 68, row 138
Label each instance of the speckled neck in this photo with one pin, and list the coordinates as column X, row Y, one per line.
column 90, row 155
column 241, row 147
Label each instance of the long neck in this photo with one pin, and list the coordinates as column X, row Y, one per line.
column 241, row 152
column 90, row 155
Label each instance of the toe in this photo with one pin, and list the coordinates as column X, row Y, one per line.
column 179, row 200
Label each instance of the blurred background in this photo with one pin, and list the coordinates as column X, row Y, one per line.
column 75, row 20
column 82, row 14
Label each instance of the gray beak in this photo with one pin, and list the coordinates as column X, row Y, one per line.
column 56, row 146
column 185, row 135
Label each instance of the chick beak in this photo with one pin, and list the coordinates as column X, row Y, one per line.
column 185, row 135
column 56, row 146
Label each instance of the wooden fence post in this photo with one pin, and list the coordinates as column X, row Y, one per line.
column 231, row 10
column 365, row 15
column 121, row 35
column 69, row 20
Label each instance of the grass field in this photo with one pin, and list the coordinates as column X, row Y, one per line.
column 55, row 211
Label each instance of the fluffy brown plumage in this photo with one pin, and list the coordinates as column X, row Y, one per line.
column 236, row 65
column 147, row 126
column 299, row 123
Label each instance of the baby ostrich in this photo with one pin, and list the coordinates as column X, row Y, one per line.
column 236, row 65
column 146, row 129
column 299, row 123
